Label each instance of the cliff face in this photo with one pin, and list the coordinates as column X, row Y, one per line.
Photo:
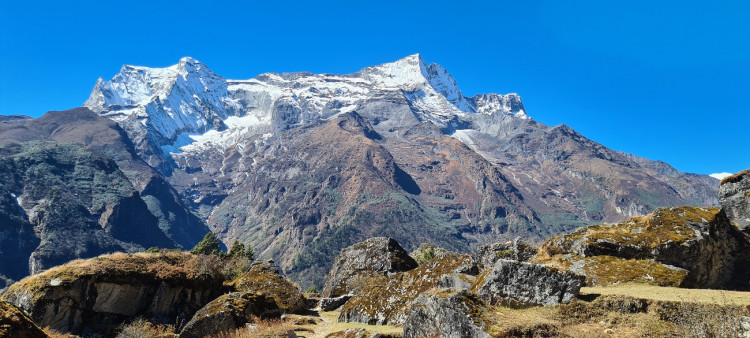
column 64, row 202
column 734, row 194
column 72, row 187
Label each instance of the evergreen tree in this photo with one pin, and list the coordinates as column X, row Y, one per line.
column 238, row 249
column 208, row 246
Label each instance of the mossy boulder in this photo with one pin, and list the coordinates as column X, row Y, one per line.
column 656, row 248
column 266, row 280
column 228, row 313
column 94, row 296
column 734, row 196
column 446, row 313
column 387, row 299
column 377, row 256
column 15, row 323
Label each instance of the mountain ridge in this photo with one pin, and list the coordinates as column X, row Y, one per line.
column 300, row 165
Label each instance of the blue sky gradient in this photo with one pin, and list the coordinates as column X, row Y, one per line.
column 666, row 80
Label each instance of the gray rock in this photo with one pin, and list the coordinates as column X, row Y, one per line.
column 375, row 256
column 517, row 249
column 228, row 313
column 456, row 281
column 734, row 196
column 520, row 283
column 445, row 313
column 330, row 304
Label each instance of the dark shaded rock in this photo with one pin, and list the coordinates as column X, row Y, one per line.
column 387, row 299
column 14, row 323
column 93, row 297
column 519, row 283
column 265, row 279
column 445, row 313
column 378, row 256
column 228, row 313
column 518, row 250
column 330, row 304
column 734, row 196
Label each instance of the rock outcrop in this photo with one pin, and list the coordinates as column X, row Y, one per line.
column 94, row 296
column 387, row 299
column 228, row 313
column 330, row 304
column 446, row 313
column 517, row 249
column 14, row 323
column 265, row 279
column 734, row 196
column 378, row 256
column 682, row 246
column 520, row 283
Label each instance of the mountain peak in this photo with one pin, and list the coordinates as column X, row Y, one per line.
column 188, row 60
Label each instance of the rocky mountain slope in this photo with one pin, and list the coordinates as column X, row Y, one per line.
column 71, row 186
column 301, row 165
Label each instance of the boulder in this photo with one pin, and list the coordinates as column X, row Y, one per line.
column 387, row 299
column 330, row 304
column 520, row 283
column 681, row 246
column 94, row 296
column 734, row 196
column 446, row 313
column 266, row 279
column 15, row 323
column 378, row 256
column 518, row 250
column 228, row 313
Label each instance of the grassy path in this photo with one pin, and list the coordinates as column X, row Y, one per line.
column 327, row 324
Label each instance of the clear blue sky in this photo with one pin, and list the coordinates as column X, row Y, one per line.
column 666, row 80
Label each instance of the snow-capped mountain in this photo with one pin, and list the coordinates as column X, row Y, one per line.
column 188, row 103
column 300, row 165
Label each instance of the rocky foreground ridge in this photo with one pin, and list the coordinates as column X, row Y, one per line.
column 503, row 290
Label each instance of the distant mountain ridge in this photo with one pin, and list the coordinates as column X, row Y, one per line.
column 300, row 165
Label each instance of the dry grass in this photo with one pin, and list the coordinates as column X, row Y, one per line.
column 672, row 294
column 141, row 328
column 328, row 324
column 629, row 311
column 261, row 328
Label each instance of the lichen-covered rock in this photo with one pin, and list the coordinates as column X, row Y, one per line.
column 387, row 300
column 15, row 323
column 378, row 256
column 734, row 196
column 94, row 296
column 228, row 313
column 446, row 313
column 330, row 304
column 265, row 279
column 701, row 241
column 518, row 249
column 520, row 283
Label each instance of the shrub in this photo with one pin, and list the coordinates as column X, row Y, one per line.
column 140, row 328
